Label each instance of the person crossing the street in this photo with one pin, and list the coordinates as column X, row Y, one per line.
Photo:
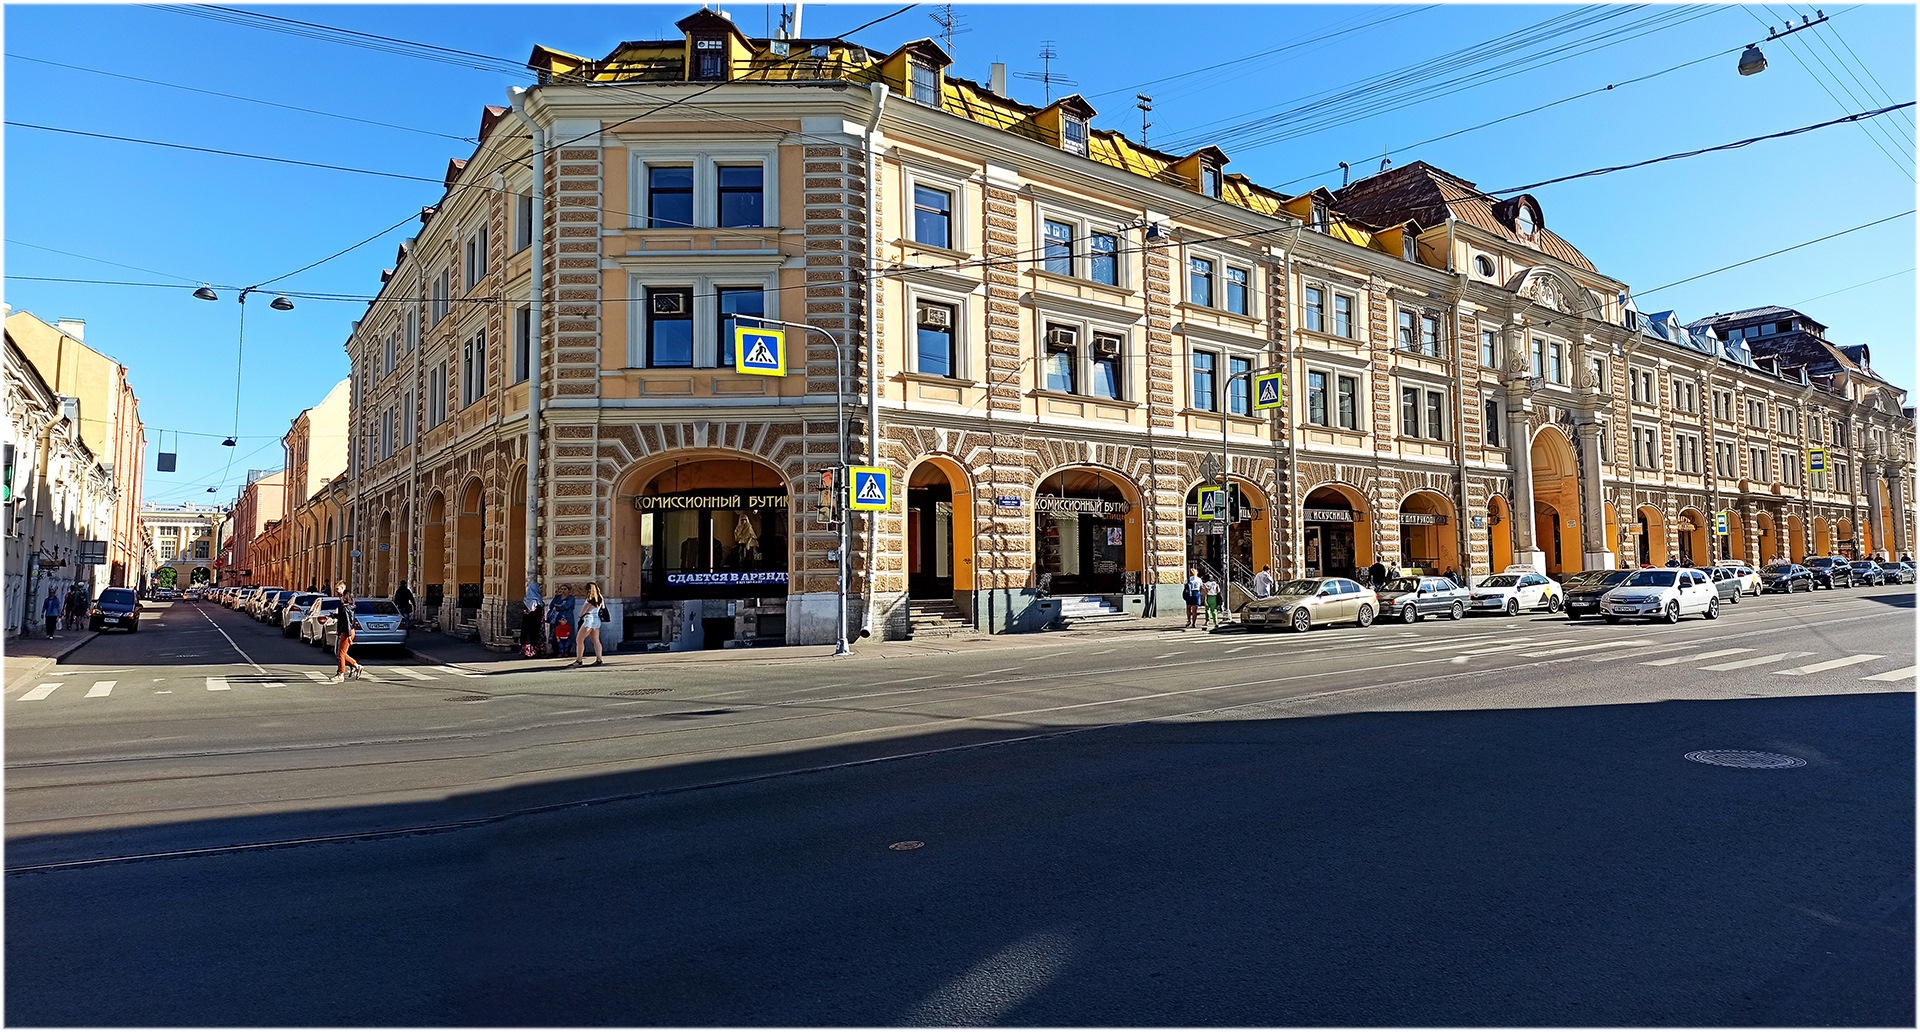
column 345, row 624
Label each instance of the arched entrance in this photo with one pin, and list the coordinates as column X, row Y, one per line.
column 1650, row 537
column 1428, row 541
column 1822, row 536
column 1767, row 543
column 1844, row 542
column 433, row 553
column 517, row 539
column 1252, row 540
column 1615, row 543
column 1796, row 539
column 940, row 531
column 402, row 552
column 383, row 556
column 470, row 550
column 1335, row 541
column 328, row 580
column 1088, row 537
column 1556, row 501
column 1733, row 544
column 705, row 525
column 1499, row 536
column 1696, row 536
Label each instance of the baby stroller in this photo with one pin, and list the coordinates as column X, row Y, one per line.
column 530, row 623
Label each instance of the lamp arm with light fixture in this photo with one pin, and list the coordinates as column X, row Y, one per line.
column 1753, row 62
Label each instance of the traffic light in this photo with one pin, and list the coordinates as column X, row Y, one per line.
column 828, row 507
column 6, row 493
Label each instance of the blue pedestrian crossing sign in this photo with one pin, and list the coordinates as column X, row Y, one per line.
column 871, row 487
column 1210, row 498
column 760, row 352
column 1269, row 390
column 1720, row 523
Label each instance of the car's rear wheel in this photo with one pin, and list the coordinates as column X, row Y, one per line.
column 1302, row 620
column 1458, row 611
column 1672, row 615
column 1365, row 619
column 1713, row 609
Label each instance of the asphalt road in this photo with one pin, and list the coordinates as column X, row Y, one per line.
column 1490, row 822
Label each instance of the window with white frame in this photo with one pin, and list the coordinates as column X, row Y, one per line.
column 407, row 415
column 732, row 303
column 1842, row 478
column 933, row 217
column 1789, row 424
column 1073, row 134
column 441, row 288
column 685, row 315
column 1814, row 424
column 924, row 85
column 1239, row 386
column 742, row 194
column 1490, row 423
column 1723, row 462
column 935, row 335
column 1205, row 380
column 522, row 222
column 1686, row 397
column 1317, row 411
column 1791, row 463
column 1409, row 331
column 1108, row 363
column 437, row 394
column 686, row 187
column 1686, row 453
column 476, row 256
column 1490, row 349
column 1556, row 369
column 1343, row 315
column 473, row 369
column 1070, row 246
column 669, row 328
column 1640, row 386
column 522, row 342
column 1313, row 308
column 1056, row 246
column 669, row 197
column 1200, row 281
column 1598, row 367
column 1539, row 356
column 1422, row 413
column 392, row 354
column 1840, row 434
column 1060, row 359
column 1103, row 263
column 386, row 433
column 1757, row 413
column 1238, row 298
column 1757, row 468
column 1646, row 447
column 1209, row 180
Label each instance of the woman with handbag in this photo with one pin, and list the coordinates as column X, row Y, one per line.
column 345, row 624
column 592, row 615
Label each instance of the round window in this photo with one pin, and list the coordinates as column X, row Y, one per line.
column 1483, row 265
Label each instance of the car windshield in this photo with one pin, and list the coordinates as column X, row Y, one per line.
column 1500, row 580
column 1297, row 587
column 1401, row 584
column 1778, row 569
column 119, row 596
column 1863, row 565
column 1653, row 579
column 375, row 607
column 304, row 600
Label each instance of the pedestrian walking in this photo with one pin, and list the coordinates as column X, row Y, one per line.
column 403, row 600
column 77, row 604
column 590, row 620
column 561, row 618
column 1263, row 582
column 51, row 610
column 1191, row 595
column 1378, row 571
column 1211, row 592
column 531, row 622
column 345, row 624
column 1453, row 574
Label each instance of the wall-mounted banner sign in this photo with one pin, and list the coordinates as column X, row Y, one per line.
column 1081, row 506
column 91, row 553
column 1007, row 502
column 761, row 577
column 1327, row 515
column 710, row 500
column 1423, row 519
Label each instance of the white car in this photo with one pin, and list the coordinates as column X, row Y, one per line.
column 1749, row 577
column 1510, row 592
column 296, row 611
column 313, row 626
column 1666, row 594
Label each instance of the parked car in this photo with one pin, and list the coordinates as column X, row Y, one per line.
column 1411, row 598
column 1749, row 577
column 273, row 611
column 376, row 623
column 1866, row 571
column 116, row 607
column 260, row 599
column 1899, row 573
column 295, row 611
column 1300, row 604
column 1664, row 594
column 1581, row 592
column 1727, row 583
column 1831, row 572
column 312, row 625
column 1517, row 589
column 1786, row 578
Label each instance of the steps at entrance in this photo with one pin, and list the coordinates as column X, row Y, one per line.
column 936, row 618
column 1091, row 609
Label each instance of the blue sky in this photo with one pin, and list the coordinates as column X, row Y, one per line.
column 1298, row 90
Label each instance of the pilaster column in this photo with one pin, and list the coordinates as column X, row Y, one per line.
column 1872, row 541
column 1519, row 410
column 1596, row 551
column 1897, row 496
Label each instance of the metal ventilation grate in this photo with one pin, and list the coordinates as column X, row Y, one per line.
column 1746, row 759
column 631, row 692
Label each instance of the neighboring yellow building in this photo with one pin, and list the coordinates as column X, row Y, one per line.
column 308, row 544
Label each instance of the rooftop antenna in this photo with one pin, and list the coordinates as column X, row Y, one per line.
column 1046, row 76
column 950, row 26
column 1145, row 106
column 1386, row 159
column 789, row 21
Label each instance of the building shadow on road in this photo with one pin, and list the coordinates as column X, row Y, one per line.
column 1532, row 866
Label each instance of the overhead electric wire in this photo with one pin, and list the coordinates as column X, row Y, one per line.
column 1891, row 125
column 103, row 261
column 1856, row 286
column 1791, row 48
column 871, row 24
column 1771, row 254
column 1885, row 95
column 223, row 153
column 1901, row 142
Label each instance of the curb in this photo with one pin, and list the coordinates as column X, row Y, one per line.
column 33, row 666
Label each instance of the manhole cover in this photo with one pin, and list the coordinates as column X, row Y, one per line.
column 1744, row 758
column 466, row 698
column 904, row 846
column 630, row 692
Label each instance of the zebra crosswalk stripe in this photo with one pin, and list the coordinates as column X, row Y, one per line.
column 1671, row 660
column 1831, row 664
column 314, row 675
column 1891, row 675
column 1589, row 648
column 41, row 692
column 1741, row 664
column 1491, row 649
column 217, row 684
column 100, row 689
column 456, row 671
column 411, row 672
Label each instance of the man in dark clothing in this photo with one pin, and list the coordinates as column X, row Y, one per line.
column 1378, row 572
column 51, row 610
column 403, row 599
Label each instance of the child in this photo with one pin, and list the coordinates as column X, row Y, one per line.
column 562, row 637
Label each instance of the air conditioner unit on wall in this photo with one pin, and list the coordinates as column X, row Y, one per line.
column 1106, row 347
column 935, row 317
column 669, row 303
column 1062, row 336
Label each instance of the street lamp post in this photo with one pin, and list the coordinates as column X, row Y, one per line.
column 840, row 476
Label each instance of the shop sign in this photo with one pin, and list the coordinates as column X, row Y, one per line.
column 710, row 500
column 760, row 577
column 1423, row 519
column 1327, row 515
column 1081, row 506
column 1007, row 502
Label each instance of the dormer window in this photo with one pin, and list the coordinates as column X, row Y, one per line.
column 926, row 84
column 1209, row 180
column 1523, row 220
column 1073, row 134
column 1319, row 217
column 1409, row 247
column 709, row 58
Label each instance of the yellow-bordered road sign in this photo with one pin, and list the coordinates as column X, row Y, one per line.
column 1720, row 522
column 1269, row 390
column 869, row 487
column 760, row 352
column 1816, row 460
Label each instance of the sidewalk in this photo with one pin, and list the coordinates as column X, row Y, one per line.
column 446, row 650
column 30, row 658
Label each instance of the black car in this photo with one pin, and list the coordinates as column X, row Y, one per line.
column 1831, row 572
column 1866, row 571
column 1585, row 588
column 1786, row 578
column 116, row 607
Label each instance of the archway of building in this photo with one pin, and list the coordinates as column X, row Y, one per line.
column 1556, row 501
column 1252, row 538
column 433, row 552
column 402, row 557
column 1822, row 536
column 1796, row 539
column 1650, row 537
column 383, row 557
column 1336, row 541
column 1089, row 536
column 1767, row 538
column 1882, row 523
column 1610, row 520
column 1843, row 540
column 940, row 529
column 517, row 538
column 1499, row 536
column 1429, row 542
column 470, row 549
column 702, row 523
column 328, row 582
column 1696, row 536
column 1733, row 544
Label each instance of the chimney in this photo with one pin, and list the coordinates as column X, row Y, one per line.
column 75, row 328
column 997, row 82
